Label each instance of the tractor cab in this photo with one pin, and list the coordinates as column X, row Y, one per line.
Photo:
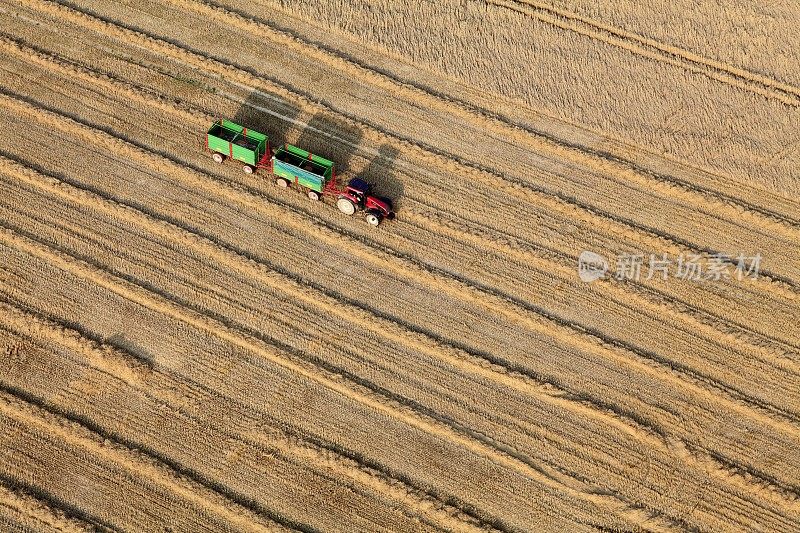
column 359, row 189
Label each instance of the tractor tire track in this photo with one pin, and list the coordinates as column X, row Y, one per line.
column 95, row 78
column 502, row 243
column 383, row 327
column 284, row 282
column 381, row 476
column 535, row 319
column 655, row 50
column 252, row 24
column 481, row 436
column 789, row 211
column 662, row 446
column 550, row 260
column 222, row 381
column 352, row 391
column 25, row 510
column 742, row 332
column 16, row 405
column 751, row 488
column 160, row 387
column 736, row 212
column 650, row 238
column 468, row 282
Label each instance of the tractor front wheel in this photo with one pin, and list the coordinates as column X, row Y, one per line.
column 218, row 157
column 283, row 183
column 346, row 206
column 247, row 169
column 314, row 195
column 373, row 218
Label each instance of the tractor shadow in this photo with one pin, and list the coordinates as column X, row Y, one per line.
column 267, row 114
column 380, row 174
column 339, row 141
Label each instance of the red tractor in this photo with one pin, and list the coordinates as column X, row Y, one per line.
column 356, row 197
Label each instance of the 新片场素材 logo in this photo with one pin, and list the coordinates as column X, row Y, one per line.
column 591, row 266
column 686, row 266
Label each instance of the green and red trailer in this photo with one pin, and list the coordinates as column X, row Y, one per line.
column 228, row 140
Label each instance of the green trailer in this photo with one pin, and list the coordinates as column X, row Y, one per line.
column 228, row 140
column 291, row 164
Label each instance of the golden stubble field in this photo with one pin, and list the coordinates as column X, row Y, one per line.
column 186, row 347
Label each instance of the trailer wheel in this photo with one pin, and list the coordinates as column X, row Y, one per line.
column 346, row 206
column 373, row 218
column 247, row 169
column 314, row 195
column 218, row 157
column 280, row 182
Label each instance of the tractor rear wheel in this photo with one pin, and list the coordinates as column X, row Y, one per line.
column 373, row 218
column 247, row 169
column 346, row 206
column 283, row 183
column 314, row 195
column 218, row 157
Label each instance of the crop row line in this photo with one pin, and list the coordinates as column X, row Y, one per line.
column 284, row 282
column 734, row 208
column 334, row 382
column 767, row 208
column 120, row 364
column 179, row 238
column 662, row 448
column 680, row 189
column 536, row 320
column 462, row 233
column 48, row 514
column 104, row 139
column 649, row 238
column 31, row 412
column 655, row 50
column 229, row 323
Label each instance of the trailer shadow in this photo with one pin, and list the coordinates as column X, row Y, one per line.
column 380, row 174
column 332, row 139
column 267, row 114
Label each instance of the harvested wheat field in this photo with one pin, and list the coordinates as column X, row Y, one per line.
column 583, row 317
